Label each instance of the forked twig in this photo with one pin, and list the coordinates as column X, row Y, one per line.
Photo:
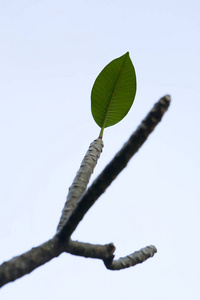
column 116, row 165
column 27, row 262
column 61, row 242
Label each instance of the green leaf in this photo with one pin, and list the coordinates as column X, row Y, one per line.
column 113, row 92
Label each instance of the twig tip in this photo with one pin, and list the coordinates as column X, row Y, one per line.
column 167, row 98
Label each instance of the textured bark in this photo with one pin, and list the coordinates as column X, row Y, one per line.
column 81, row 180
column 117, row 164
column 78, row 204
column 25, row 263
column 89, row 250
column 131, row 260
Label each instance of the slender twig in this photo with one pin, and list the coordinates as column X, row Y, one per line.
column 89, row 250
column 116, row 165
column 131, row 260
column 81, row 179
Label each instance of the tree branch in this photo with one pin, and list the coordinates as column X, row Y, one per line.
column 131, row 259
column 25, row 263
column 37, row 256
column 91, row 251
column 116, row 165
column 81, row 179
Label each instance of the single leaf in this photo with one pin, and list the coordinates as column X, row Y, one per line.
column 113, row 92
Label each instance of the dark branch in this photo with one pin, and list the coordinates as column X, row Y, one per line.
column 90, row 250
column 131, row 259
column 25, row 263
column 117, row 164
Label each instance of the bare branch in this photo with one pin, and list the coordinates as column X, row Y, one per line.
column 38, row 256
column 117, row 164
column 90, row 250
column 25, row 263
column 131, row 259
column 81, row 179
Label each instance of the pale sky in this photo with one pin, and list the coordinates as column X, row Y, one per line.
column 50, row 54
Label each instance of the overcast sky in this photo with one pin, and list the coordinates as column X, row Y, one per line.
column 50, row 54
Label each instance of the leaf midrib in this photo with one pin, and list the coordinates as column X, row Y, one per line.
column 105, row 119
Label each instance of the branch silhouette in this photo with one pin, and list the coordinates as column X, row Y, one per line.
column 61, row 242
column 116, row 165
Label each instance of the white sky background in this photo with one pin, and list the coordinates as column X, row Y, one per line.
column 50, row 54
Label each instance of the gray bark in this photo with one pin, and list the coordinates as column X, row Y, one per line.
column 79, row 202
column 81, row 179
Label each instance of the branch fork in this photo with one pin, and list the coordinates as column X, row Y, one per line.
column 79, row 201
